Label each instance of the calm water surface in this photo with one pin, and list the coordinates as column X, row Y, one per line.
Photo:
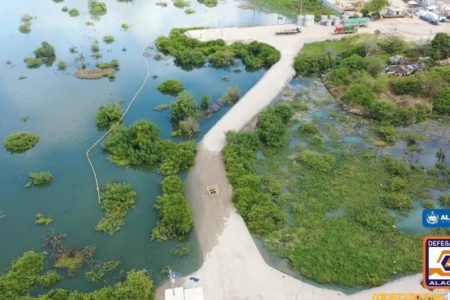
column 62, row 108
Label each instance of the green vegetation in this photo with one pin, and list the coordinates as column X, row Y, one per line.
column 175, row 214
column 376, row 6
column 24, row 276
column 190, row 53
column 71, row 260
column 25, row 24
column 117, row 199
column 338, row 200
column 39, row 178
column 20, row 142
column 141, row 145
column 189, row 11
column 42, row 219
column 209, row 3
column 353, row 70
column 171, row 87
column 49, row 279
column 231, row 96
column 97, row 8
column 125, row 26
column 42, row 55
column 108, row 39
column 98, row 271
column 73, row 12
column 62, row 65
column 184, row 115
column 442, row 102
column 113, row 65
column 181, row 251
column 32, row 63
column 180, row 3
column 108, row 115
column 292, row 8
column 440, row 46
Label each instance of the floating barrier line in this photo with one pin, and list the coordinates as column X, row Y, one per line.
column 147, row 76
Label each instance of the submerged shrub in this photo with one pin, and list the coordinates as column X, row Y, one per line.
column 39, row 178
column 117, row 199
column 171, row 87
column 231, row 96
column 175, row 213
column 316, row 161
column 108, row 115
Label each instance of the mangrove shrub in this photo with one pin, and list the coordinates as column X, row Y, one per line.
column 117, row 199
column 20, row 142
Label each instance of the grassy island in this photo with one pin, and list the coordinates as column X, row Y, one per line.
column 20, row 142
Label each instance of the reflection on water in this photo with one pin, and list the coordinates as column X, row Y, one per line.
column 61, row 110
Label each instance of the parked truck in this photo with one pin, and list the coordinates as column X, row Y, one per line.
column 345, row 30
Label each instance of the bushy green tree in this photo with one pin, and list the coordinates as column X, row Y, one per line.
column 440, row 46
column 183, row 107
column 441, row 103
column 137, row 145
column 108, row 115
column 360, row 94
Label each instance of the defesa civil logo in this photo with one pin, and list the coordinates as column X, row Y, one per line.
column 436, row 262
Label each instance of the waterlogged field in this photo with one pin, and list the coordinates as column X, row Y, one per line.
column 337, row 198
column 61, row 109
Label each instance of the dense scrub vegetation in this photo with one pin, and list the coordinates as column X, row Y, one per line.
column 256, row 205
column 42, row 55
column 25, row 24
column 141, row 145
column 108, row 115
column 20, row 142
column 338, row 200
column 26, row 275
column 171, row 87
column 39, row 179
column 97, row 8
column 117, row 199
column 175, row 213
column 354, row 70
column 190, row 53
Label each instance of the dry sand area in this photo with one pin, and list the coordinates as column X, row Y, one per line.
column 233, row 267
